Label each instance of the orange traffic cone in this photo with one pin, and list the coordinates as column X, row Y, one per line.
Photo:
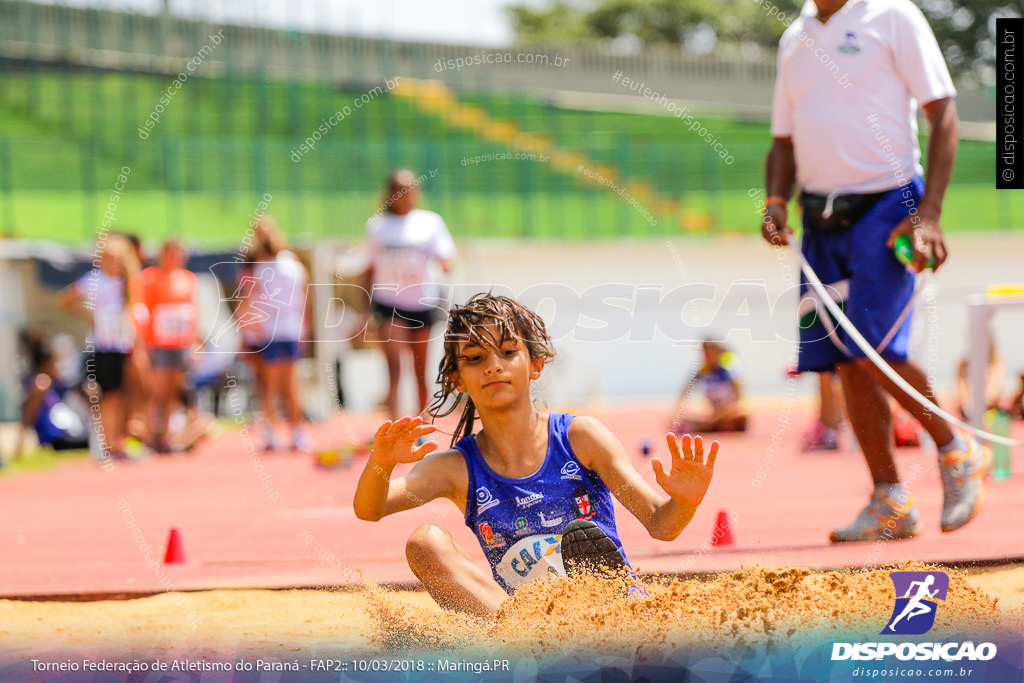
column 175, row 549
column 722, row 535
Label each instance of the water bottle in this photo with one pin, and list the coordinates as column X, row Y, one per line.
column 1000, row 451
column 904, row 250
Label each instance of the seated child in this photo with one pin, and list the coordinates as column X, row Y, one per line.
column 722, row 387
column 56, row 425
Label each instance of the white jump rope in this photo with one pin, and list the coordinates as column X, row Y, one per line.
column 881, row 364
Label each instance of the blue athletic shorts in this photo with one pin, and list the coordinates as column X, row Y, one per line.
column 863, row 272
column 277, row 351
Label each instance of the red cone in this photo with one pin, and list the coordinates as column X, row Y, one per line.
column 722, row 535
column 175, row 549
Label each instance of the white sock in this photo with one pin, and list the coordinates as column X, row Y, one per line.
column 957, row 444
column 894, row 491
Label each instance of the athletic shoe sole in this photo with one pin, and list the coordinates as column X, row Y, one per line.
column 983, row 473
column 906, row 521
column 974, row 513
column 902, row 536
column 588, row 550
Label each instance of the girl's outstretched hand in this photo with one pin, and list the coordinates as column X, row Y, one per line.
column 395, row 442
column 690, row 475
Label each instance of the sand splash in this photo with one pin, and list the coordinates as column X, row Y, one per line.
column 752, row 608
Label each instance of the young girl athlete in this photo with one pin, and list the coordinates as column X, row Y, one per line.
column 522, row 479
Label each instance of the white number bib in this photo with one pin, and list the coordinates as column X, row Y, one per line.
column 534, row 557
column 174, row 325
column 112, row 331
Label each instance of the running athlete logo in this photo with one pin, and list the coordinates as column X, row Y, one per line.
column 256, row 310
column 584, row 506
column 916, row 596
column 485, row 500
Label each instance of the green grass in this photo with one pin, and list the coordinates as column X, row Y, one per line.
column 220, row 221
column 222, row 144
column 41, row 459
column 217, row 221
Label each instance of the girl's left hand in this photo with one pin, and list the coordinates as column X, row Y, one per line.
column 690, row 475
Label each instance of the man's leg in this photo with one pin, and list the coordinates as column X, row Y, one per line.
column 890, row 514
column 880, row 289
column 963, row 462
column 936, row 426
column 868, row 408
column 449, row 574
column 831, row 405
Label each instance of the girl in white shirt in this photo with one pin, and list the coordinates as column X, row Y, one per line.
column 102, row 296
column 280, row 306
column 407, row 245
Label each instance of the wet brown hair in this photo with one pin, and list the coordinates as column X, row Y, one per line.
column 465, row 323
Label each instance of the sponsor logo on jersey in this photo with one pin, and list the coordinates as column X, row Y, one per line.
column 534, row 557
column 485, row 500
column 571, row 470
column 490, row 538
column 584, row 505
column 557, row 521
column 527, row 501
column 521, row 523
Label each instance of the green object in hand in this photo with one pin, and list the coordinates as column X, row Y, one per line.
column 904, row 250
column 1000, row 426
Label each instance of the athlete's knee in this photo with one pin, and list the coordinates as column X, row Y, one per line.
column 426, row 546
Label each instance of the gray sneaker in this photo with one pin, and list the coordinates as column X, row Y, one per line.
column 963, row 483
column 884, row 519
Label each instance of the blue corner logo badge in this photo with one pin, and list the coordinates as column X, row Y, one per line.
column 849, row 45
column 917, row 596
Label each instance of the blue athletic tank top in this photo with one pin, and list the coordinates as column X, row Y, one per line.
column 519, row 522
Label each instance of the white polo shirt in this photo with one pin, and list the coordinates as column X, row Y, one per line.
column 403, row 251
column 847, row 92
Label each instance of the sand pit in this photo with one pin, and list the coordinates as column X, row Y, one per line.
column 759, row 608
column 755, row 608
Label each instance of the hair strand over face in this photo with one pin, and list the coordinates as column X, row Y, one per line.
column 482, row 320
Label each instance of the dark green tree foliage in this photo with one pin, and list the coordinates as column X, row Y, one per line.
column 965, row 28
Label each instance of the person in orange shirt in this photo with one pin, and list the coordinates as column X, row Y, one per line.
column 169, row 294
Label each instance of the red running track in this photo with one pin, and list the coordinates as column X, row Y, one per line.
column 66, row 532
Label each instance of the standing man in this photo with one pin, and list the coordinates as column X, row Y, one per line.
column 851, row 74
